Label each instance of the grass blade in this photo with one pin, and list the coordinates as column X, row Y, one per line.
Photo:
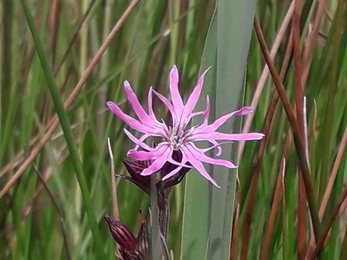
column 64, row 122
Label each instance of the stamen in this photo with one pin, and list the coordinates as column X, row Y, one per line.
column 176, row 136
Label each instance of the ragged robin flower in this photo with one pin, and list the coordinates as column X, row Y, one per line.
column 178, row 136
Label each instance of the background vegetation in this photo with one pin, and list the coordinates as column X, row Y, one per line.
column 56, row 183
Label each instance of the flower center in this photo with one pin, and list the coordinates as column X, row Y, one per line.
column 177, row 136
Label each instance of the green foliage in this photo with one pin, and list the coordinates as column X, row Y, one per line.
column 53, row 221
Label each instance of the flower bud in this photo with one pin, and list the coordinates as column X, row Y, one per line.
column 121, row 233
column 135, row 168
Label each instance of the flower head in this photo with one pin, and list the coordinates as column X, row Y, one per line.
column 178, row 136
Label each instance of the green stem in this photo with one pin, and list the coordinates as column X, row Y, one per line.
column 156, row 246
column 65, row 125
column 104, row 70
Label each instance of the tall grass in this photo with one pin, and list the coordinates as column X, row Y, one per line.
column 48, row 212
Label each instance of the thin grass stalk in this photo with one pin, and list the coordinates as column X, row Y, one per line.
column 74, row 38
column 273, row 212
column 156, row 36
column 113, row 184
column 301, row 227
column 319, row 246
column 298, row 71
column 343, row 253
column 234, row 238
column 263, row 143
column 329, row 109
column 6, row 74
column 259, row 89
column 235, row 229
column 254, row 183
column 101, row 96
column 55, row 122
column 284, row 213
column 333, row 175
column 114, row 189
column 48, row 174
column 294, row 128
column 86, row 41
column 64, row 122
column 313, row 141
column 59, row 213
column 174, row 13
column 301, row 235
column 83, row 40
column 312, row 41
column 54, row 16
column 6, row 61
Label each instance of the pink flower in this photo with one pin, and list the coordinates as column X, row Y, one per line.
column 178, row 137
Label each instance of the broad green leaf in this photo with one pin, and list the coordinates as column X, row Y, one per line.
column 208, row 211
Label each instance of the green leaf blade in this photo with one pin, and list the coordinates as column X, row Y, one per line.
column 208, row 211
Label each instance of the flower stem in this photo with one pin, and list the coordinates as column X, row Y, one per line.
column 156, row 245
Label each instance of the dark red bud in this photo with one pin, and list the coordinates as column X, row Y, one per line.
column 121, row 233
column 135, row 168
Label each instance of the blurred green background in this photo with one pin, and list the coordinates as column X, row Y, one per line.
column 269, row 215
